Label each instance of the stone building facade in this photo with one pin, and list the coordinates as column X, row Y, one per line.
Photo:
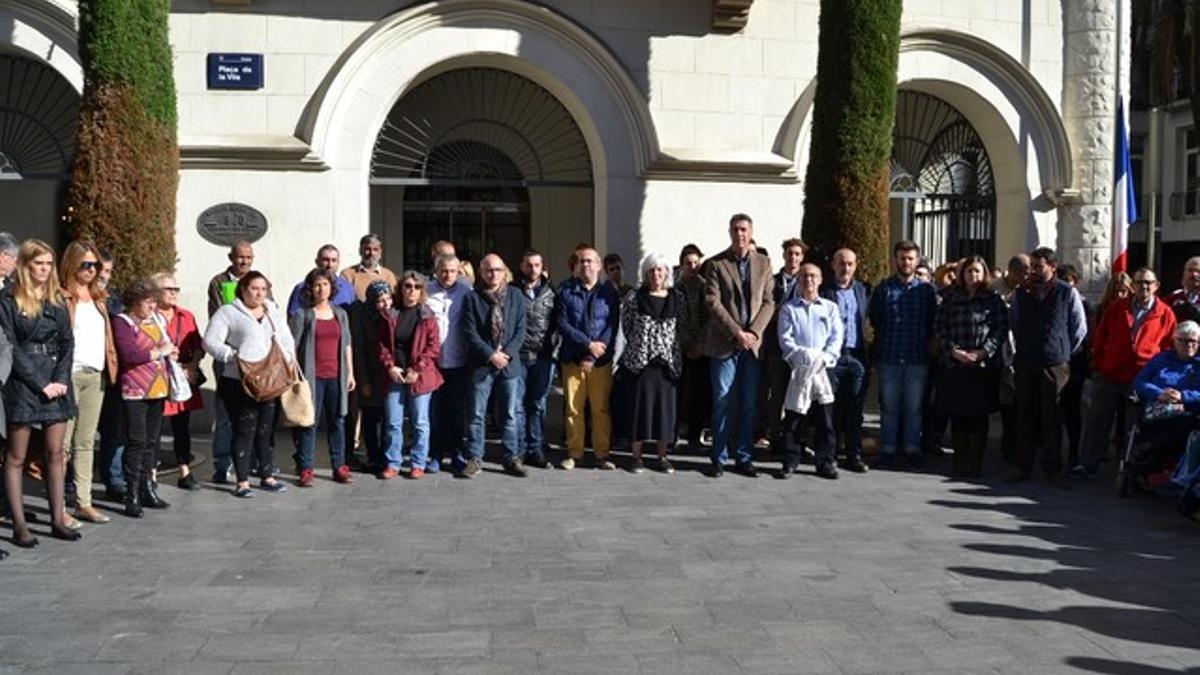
column 640, row 125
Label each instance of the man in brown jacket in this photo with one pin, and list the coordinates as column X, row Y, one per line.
column 737, row 294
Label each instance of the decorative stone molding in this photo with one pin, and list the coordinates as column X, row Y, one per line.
column 730, row 16
column 1089, row 114
column 54, row 37
column 248, row 152
column 743, row 167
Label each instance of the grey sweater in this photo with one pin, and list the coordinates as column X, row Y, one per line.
column 234, row 333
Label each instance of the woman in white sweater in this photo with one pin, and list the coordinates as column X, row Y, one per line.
column 245, row 330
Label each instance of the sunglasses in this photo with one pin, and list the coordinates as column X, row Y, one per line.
column 412, row 287
column 89, row 265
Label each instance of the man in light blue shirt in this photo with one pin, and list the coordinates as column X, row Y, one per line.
column 810, row 327
column 447, row 410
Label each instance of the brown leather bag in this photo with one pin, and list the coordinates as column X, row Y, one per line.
column 267, row 379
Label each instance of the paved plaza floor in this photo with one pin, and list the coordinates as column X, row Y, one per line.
column 609, row 572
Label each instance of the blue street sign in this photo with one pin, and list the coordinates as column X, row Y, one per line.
column 235, row 71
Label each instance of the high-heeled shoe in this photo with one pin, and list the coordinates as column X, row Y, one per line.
column 61, row 532
column 31, row 542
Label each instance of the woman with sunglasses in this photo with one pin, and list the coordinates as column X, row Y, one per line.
column 322, row 333
column 34, row 318
column 408, row 353
column 182, row 330
column 93, row 367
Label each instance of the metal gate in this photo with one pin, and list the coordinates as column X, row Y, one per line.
column 950, row 205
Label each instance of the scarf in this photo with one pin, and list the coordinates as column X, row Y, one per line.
column 496, row 302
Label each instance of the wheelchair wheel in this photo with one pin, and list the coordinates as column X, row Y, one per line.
column 1124, row 481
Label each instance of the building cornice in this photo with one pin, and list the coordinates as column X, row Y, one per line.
column 721, row 166
column 248, row 153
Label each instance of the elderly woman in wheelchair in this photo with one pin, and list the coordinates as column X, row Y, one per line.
column 1169, row 390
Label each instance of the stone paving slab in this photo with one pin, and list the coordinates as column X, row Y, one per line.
column 609, row 572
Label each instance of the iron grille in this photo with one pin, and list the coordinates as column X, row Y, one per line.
column 38, row 113
column 480, row 126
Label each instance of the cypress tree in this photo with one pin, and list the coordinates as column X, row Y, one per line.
column 854, row 109
column 127, row 161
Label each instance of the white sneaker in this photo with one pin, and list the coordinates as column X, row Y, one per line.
column 567, row 464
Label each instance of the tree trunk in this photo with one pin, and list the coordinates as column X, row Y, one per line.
column 854, row 109
column 127, row 162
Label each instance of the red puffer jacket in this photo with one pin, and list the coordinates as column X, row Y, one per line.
column 1118, row 354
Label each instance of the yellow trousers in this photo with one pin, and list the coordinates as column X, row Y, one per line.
column 581, row 389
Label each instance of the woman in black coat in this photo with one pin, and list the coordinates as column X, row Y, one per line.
column 34, row 318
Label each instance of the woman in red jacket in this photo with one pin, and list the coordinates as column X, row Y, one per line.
column 185, row 335
column 408, row 352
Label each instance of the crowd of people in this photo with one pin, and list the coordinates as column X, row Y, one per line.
column 414, row 369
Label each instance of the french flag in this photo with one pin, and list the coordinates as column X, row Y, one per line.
column 1124, row 196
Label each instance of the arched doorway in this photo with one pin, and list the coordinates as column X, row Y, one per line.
column 943, row 194
column 39, row 111
column 485, row 158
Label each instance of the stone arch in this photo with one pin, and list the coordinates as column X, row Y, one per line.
column 1004, row 76
column 45, row 31
column 536, row 42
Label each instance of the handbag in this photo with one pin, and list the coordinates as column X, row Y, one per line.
column 296, row 404
column 268, row 378
column 181, row 389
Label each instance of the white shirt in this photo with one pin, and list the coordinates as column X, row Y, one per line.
column 89, row 337
column 446, row 304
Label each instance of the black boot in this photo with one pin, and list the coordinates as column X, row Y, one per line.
column 149, row 495
column 133, row 504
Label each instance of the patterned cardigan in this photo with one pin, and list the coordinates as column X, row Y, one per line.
column 649, row 338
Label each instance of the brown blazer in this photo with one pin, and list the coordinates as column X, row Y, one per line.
column 723, row 300
column 110, row 347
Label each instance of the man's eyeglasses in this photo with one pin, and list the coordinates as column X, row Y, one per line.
column 1188, row 341
column 89, row 266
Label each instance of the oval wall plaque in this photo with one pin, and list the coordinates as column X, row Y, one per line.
column 226, row 224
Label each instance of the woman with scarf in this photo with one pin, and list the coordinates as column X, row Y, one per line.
column 654, row 318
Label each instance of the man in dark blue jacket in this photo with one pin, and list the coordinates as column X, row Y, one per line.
column 494, row 326
column 537, row 355
column 850, row 376
column 586, row 317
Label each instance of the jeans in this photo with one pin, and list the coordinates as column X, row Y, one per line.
column 901, row 389
column 327, row 395
column 112, row 438
column 535, row 389
column 143, row 419
column 849, row 380
column 400, row 400
column 253, row 424
column 734, row 378
column 222, row 438
column 446, row 415
column 508, row 388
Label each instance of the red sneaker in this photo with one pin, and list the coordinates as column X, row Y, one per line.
column 343, row 475
column 387, row 474
column 416, row 473
column 306, row 478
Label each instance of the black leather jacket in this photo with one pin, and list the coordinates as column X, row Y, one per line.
column 539, row 329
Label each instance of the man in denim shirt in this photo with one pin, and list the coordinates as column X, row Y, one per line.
column 902, row 311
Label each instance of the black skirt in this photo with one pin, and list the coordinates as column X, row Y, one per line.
column 968, row 391
column 652, row 404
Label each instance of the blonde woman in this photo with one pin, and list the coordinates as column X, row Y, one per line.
column 93, row 367
column 34, row 319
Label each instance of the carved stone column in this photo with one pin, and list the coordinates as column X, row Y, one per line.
column 1089, row 111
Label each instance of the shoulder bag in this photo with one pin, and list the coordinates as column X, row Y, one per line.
column 267, row 379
